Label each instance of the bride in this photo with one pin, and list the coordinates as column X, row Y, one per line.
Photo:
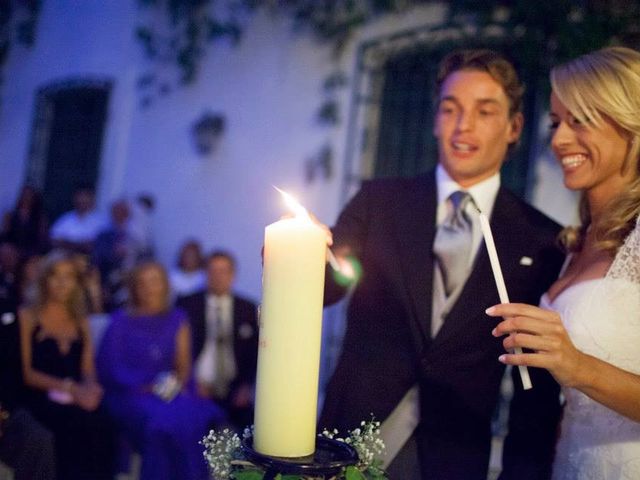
column 586, row 331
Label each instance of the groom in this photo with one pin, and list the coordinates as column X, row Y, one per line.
column 418, row 352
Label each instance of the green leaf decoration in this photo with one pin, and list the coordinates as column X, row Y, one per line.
column 375, row 474
column 375, row 471
column 352, row 473
column 248, row 475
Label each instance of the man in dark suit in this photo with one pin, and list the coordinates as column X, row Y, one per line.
column 225, row 340
column 418, row 352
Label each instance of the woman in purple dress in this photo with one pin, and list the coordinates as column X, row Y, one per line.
column 145, row 366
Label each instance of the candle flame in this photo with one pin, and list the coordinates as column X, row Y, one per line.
column 293, row 204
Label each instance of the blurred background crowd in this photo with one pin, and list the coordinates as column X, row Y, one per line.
column 107, row 352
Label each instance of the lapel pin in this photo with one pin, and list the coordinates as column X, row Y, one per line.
column 526, row 261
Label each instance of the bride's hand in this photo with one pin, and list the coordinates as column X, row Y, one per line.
column 542, row 331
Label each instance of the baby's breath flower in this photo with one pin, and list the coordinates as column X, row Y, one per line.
column 220, row 449
column 248, row 432
column 366, row 441
column 224, row 455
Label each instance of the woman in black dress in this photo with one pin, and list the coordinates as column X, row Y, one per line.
column 58, row 367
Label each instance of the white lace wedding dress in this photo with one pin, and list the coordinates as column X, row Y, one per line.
column 602, row 317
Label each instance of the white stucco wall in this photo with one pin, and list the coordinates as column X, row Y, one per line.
column 75, row 39
column 268, row 87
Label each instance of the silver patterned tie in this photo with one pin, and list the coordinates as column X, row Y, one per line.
column 221, row 339
column 452, row 245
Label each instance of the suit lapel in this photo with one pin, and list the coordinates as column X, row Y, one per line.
column 505, row 223
column 236, row 322
column 415, row 230
column 199, row 322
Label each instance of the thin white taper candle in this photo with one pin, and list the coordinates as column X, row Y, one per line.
column 333, row 261
column 502, row 289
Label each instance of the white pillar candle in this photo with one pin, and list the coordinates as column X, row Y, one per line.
column 502, row 288
column 290, row 333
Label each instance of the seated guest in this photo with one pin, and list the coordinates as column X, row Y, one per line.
column 115, row 252
column 90, row 283
column 26, row 225
column 140, row 223
column 9, row 272
column 188, row 277
column 77, row 230
column 25, row 445
column 225, row 340
column 58, row 368
column 27, row 284
column 145, row 366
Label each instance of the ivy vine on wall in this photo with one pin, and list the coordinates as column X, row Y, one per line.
column 18, row 21
column 540, row 34
column 178, row 33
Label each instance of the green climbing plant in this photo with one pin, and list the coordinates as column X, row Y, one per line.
column 18, row 21
column 539, row 34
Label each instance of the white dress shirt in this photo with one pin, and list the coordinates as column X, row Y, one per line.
column 74, row 227
column 219, row 314
column 483, row 194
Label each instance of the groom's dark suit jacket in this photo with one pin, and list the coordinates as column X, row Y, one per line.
column 390, row 227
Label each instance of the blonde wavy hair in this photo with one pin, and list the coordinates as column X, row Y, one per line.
column 598, row 85
column 76, row 304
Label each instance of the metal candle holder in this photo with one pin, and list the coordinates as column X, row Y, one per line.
column 329, row 458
